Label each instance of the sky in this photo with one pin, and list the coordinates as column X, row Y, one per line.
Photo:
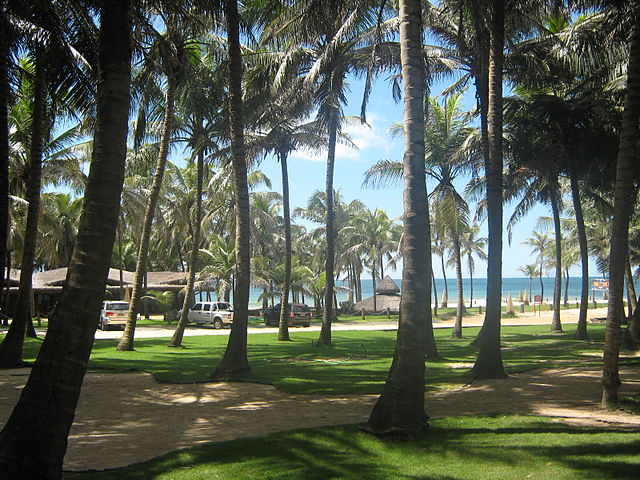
column 307, row 173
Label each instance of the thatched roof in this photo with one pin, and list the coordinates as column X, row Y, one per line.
column 387, row 287
column 57, row 276
column 166, row 278
column 382, row 303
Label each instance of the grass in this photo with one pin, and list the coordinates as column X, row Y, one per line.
column 460, row 448
column 358, row 362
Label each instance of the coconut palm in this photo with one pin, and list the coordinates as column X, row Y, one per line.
column 471, row 245
column 38, row 426
column 400, row 407
column 529, row 271
column 622, row 209
column 173, row 51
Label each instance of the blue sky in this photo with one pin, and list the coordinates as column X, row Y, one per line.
column 307, row 171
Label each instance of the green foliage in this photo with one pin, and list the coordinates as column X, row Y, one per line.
column 462, row 448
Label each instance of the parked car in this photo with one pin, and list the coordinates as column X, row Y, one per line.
column 217, row 313
column 114, row 313
column 299, row 314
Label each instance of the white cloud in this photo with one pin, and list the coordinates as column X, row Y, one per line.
column 365, row 137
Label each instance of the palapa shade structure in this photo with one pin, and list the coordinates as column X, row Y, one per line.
column 387, row 297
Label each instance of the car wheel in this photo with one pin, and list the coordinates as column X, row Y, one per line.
column 217, row 324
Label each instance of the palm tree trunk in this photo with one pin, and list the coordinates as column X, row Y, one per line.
column 126, row 342
column 11, row 346
column 327, row 318
column 435, row 291
column 373, row 283
column 400, row 408
column 457, row 328
column 489, row 361
column 431, row 348
column 541, row 282
column 625, row 197
column 4, row 144
column 556, row 326
column 581, row 329
column 283, row 325
column 34, row 439
column 470, row 286
column 631, row 289
column 566, row 288
column 176, row 339
column 445, row 294
column 234, row 363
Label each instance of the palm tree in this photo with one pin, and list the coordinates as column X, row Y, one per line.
column 472, row 246
column 529, row 271
column 174, row 51
column 41, row 420
column 234, row 362
column 400, row 407
column 625, row 196
column 540, row 244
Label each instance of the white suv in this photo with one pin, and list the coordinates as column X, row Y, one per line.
column 217, row 313
column 113, row 313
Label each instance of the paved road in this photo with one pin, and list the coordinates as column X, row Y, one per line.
column 568, row 317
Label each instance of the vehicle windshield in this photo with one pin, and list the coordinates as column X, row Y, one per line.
column 117, row 306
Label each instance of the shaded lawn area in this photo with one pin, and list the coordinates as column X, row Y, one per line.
column 460, row 448
column 357, row 363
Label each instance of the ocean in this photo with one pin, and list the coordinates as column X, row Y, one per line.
column 513, row 286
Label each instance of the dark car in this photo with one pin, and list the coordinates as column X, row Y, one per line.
column 299, row 314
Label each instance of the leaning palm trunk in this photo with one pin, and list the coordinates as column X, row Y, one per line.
column 283, row 324
column 176, row 340
column 431, row 348
column 457, row 328
column 625, row 196
column 399, row 410
column 556, row 326
column 4, row 143
column 581, row 329
column 127, row 340
column 34, row 440
column 327, row 317
column 489, row 361
column 234, row 362
column 631, row 289
column 445, row 292
column 11, row 347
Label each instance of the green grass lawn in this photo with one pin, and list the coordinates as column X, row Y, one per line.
column 460, row 448
column 358, row 361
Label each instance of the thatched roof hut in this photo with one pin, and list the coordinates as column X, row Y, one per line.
column 387, row 287
column 387, row 297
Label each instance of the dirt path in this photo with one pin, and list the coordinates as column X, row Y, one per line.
column 127, row 418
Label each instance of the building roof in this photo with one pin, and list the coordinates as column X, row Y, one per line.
column 392, row 302
column 387, row 287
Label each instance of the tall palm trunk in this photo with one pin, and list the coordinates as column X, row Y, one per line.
column 4, row 144
column 471, row 283
column 373, row 284
column 234, row 362
column 565, row 300
column 445, row 292
column 556, row 326
column 457, row 328
column 127, row 340
column 11, row 346
column 581, row 329
column 283, row 325
column 34, row 439
column 431, row 348
column 327, row 317
column 625, row 197
column 631, row 289
column 400, row 408
column 540, row 278
column 176, row 340
column 489, row 361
